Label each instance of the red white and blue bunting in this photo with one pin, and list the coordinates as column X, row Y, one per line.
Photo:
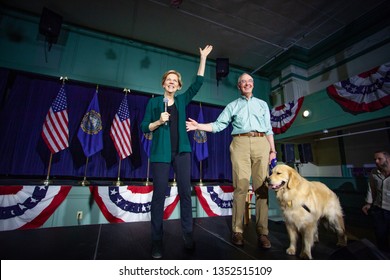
column 25, row 207
column 282, row 117
column 131, row 203
column 366, row 92
column 215, row 200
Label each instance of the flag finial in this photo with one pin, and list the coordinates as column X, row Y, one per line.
column 63, row 79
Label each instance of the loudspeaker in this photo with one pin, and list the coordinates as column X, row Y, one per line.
column 358, row 250
column 288, row 153
column 222, row 67
column 305, row 153
column 50, row 25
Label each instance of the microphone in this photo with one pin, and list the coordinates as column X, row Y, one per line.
column 166, row 106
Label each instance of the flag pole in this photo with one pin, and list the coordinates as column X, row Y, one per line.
column 84, row 182
column 200, row 173
column 174, row 184
column 200, row 162
column 47, row 181
column 147, row 183
column 118, row 182
column 89, row 143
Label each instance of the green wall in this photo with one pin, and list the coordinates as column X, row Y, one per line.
column 97, row 58
column 326, row 114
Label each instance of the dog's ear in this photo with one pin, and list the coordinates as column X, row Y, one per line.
column 294, row 178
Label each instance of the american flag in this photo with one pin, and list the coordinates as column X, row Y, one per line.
column 120, row 130
column 55, row 131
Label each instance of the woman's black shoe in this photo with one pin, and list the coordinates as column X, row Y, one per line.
column 157, row 249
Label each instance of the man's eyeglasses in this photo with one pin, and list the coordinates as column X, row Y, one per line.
column 250, row 81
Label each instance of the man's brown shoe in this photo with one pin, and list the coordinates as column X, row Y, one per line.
column 237, row 238
column 264, row 241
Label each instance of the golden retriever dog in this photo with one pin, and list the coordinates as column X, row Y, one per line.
column 303, row 204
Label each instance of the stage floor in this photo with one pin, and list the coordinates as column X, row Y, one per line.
column 131, row 241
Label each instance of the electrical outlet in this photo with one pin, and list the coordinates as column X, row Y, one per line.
column 79, row 215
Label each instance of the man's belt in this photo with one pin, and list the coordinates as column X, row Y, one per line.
column 250, row 134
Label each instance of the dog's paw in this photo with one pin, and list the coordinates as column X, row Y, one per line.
column 306, row 256
column 342, row 241
column 290, row 251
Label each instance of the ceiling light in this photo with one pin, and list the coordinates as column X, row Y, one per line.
column 306, row 113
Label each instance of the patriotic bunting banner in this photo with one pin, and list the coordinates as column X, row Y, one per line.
column 215, row 200
column 25, row 207
column 282, row 117
column 130, row 203
column 366, row 92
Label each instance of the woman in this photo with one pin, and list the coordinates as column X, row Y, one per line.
column 165, row 116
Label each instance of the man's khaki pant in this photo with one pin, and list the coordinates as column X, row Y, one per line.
column 250, row 158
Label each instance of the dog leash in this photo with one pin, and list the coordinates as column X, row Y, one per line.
column 306, row 208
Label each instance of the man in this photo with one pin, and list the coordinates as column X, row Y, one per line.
column 251, row 150
column 378, row 199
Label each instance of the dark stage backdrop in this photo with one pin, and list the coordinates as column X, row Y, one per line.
column 25, row 99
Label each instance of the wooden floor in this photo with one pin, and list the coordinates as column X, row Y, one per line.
column 131, row 241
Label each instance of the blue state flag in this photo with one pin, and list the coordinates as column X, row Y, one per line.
column 147, row 142
column 199, row 145
column 90, row 133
